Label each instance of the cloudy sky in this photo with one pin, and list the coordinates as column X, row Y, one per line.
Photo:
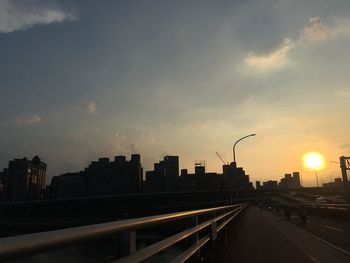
column 85, row 79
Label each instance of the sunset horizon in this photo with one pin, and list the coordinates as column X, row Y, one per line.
column 82, row 81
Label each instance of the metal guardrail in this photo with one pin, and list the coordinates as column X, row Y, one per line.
column 327, row 206
column 304, row 209
column 14, row 247
column 318, row 205
column 302, row 203
column 330, row 205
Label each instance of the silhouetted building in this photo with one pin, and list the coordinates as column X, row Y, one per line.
column 184, row 172
column 296, row 180
column 105, row 177
column 199, row 168
column 258, row 185
column 129, row 174
column 171, row 166
column 290, row 182
column 3, row 178
column 155, row 180
column 68, row 185
column 102, row 177
column 165, row 176
column 337, row 183
column 25, row 179
column 270, row 185
column 235, row 178
column 200, row 180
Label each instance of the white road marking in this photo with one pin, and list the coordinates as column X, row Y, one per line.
column 333, row 228
column 330, row 244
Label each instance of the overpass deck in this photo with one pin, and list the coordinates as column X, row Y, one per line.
column 264, row 237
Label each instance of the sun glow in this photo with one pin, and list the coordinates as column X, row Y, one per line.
column 313, row 160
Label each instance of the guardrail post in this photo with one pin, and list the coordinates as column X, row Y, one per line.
column 116, row 245
column 125, row 244
column 225, row 233
column 214, row 230
column 197, row 234
column 196, row 239
column 132, row 242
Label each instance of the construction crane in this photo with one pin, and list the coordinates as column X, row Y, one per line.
column 220, row 158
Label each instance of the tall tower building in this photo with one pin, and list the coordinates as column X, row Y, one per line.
column 296, row 180
column 171, row 166
column 25, row 179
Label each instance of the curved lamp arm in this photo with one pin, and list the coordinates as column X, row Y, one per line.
column 234, row 146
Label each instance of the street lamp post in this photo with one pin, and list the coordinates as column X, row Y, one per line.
column 234, row 146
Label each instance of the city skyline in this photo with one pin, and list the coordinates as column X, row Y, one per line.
column 82, row 80
column 199, row 167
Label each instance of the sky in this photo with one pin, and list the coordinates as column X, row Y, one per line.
column 85, row 79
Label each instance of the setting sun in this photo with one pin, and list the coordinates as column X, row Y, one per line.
column 313, row 160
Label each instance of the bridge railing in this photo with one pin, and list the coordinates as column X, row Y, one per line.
column 328, row 206
column 17, row 246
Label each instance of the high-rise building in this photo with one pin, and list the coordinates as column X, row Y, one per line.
column 235, row 177
column 3, row 178
column 135, row 174
column 25, row 179
column 68, row 185
column 165, row 176
column 270, row 185
column 118, row 177
column 296, row 180
column 102, row 177
column 199, row 169
column 290, row 181
column 171, row 166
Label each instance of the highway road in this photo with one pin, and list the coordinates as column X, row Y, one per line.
column 269, row 237
column 332, row 230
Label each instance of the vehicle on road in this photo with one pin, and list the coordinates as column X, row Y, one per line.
column 321, row 200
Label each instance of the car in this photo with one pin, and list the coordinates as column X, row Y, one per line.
column 321, row 200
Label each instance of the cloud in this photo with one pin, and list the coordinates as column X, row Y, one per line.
column 341, row 28
column 88, row 106
column 27, row 119
column 273, row 59
column 315, row 31
column 16, row 15
column 344, row 146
